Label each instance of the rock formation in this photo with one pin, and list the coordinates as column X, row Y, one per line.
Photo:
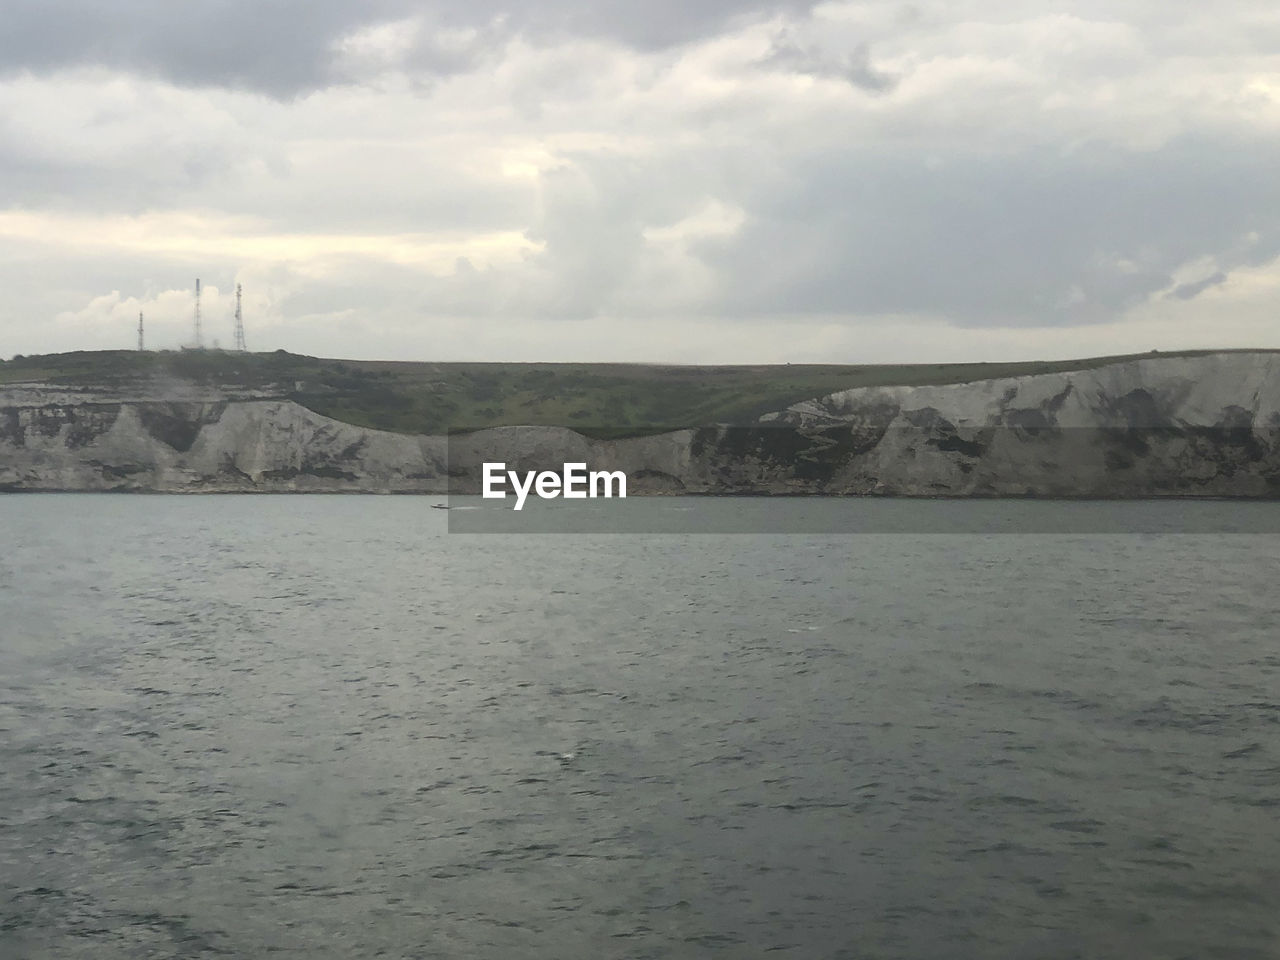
column 1157, row 426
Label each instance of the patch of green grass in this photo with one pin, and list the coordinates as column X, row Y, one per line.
column 113, row 367
column 595, row 398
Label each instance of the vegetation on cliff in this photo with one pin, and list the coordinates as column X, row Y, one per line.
column 594, row 398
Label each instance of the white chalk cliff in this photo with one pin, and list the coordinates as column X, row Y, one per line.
column 1158, row 426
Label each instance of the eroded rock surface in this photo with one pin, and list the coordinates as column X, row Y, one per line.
column 212, row 446
column 1160, row 426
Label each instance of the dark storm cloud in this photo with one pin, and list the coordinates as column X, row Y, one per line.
column 278, row 47
column 1033, row 237
column 286, row 47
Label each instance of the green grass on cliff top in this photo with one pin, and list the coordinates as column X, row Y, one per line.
column 597, row 398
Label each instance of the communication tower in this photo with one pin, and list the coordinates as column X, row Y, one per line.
column 199, row 334
column 140, row 346
column 239, row 342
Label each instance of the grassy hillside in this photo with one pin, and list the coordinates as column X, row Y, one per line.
column 412, row 397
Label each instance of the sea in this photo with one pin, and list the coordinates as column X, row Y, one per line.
column 328, row 727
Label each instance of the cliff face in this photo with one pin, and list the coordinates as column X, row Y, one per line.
column 53, row 441
column 1206, row 426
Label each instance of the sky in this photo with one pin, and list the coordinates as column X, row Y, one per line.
column 727, row 181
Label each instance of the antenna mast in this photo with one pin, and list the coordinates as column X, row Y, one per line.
column 140, row 346
column 199, row 335
column 239, row 324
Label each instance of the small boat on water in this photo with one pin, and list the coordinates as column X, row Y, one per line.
column 439, row 506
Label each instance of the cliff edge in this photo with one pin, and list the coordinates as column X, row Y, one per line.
column 1202, row 425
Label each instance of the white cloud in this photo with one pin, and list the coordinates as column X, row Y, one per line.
column 771, row 183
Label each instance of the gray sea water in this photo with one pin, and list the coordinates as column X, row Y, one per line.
column 323, row 727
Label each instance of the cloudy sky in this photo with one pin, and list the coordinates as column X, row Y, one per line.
column 710, row 181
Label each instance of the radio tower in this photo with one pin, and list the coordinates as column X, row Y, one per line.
column 140, row 346
column 199, row 335
column 239, row 324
